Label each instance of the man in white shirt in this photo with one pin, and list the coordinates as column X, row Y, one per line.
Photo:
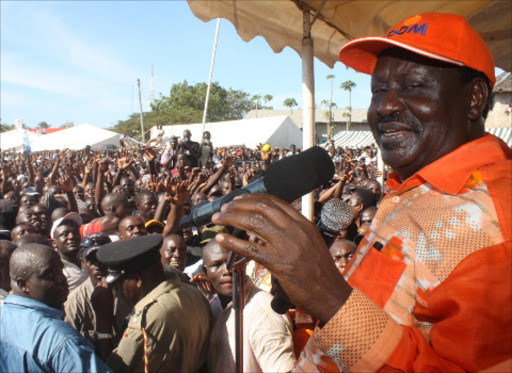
column 267, row 336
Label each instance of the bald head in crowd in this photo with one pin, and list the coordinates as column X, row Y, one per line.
column 36, row 273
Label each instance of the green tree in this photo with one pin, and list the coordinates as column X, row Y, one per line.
column 185, row 104
column 6, row 127
column 43, row 124
column 347, row 86
column 256, row 99
column 290, row 103
column 267, row 99
column 68, row 124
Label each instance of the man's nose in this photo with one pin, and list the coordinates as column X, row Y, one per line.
column 390, row 103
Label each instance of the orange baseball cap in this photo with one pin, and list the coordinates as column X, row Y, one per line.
column 440, row 36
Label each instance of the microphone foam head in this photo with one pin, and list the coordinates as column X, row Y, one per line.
column 336, row 215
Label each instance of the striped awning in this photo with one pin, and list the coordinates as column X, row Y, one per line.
column 359, row 139
column 354, row 139
column 503, row 133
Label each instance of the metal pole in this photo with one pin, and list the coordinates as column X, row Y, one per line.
column 308, row 103
column 141, row 114
column 238, row 308
column 210, row 78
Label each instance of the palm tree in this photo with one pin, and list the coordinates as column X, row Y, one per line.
column 267, row 99
column 290, row 102
column 331, row 78
column 347, row 86
column 256, row 99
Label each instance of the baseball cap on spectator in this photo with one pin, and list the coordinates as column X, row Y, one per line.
column 21, row 177
column 154, row 226
column 92, row 243
column 72, row 216
column 440, row 36
column 30, row 191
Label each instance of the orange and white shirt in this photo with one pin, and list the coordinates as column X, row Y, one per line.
column 432, row 277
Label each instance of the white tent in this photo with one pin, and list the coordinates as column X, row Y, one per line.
column 14, row 139
column 77, row 138
column 277, row 131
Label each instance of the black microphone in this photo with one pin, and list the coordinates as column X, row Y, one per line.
column 289, row 178
column 335, row 216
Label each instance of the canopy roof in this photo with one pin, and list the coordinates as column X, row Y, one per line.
column 77, row 138
column 338, row 21
column 277, row 131
column 14, row 139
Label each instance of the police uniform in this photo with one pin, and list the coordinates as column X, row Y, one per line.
column 170, row 325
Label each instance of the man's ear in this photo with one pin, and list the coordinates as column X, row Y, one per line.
column 478, row 99
column 22, row 285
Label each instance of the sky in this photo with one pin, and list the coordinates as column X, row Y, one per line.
column 79, row 61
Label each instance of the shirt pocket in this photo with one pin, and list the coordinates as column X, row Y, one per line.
column 377, row 276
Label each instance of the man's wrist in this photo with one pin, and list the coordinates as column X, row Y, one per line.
column 98, row 336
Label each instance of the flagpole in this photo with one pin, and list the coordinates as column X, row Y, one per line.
column 211, row 74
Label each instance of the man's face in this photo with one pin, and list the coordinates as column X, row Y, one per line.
column 20, row 230
column 132, row 227
column 341, row 252
column 215, row 258
column 117, row 189
column 28, row 200
column 89, row 190
column 174, row 252
column 356, row 204
column 94, row 268
column 90, row 203
column 187, row 134
column 67, row 238
column 181, row 160
column 374, row 187
column 78, row 191
column 48, row 284
column 367, row 216
column 418, row 111
column 147, row 207
column 29, row 216
column 44, row 216
column 127, row 185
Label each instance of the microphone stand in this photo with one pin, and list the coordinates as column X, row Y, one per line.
column 238, row 271
column 238, row 307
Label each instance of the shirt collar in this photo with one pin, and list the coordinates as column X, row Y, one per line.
column 450, row 173
column 34, row 304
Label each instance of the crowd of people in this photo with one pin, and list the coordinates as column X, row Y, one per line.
column 79, row 201
column 98, row 274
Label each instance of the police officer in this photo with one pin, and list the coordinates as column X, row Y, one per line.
column 169, row 326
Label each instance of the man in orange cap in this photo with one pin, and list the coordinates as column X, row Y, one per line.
column 428, row 288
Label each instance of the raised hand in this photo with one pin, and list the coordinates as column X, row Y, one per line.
column 182, row 194
column 149, row 153
column 65, row 183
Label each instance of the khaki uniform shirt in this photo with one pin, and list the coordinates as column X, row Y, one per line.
column 79, row 312
column 176, row 318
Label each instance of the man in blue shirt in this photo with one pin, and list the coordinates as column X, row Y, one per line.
column 33, row 336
